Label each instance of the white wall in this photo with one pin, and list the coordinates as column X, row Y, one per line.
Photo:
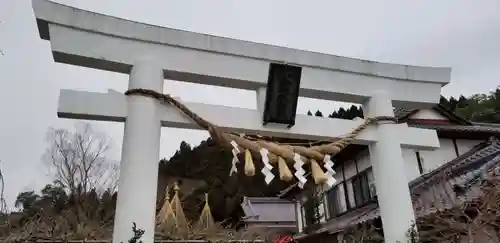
column 411, row 164
column 349, row 169
column 433, row 159
column 430, row 114
column 363, row 160
column 464, row 145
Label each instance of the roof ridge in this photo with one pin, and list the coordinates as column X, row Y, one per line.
column 470, row 156
column 404, row 114
column 486, row 124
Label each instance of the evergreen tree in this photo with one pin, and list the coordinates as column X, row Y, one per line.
column 341, row 113
column 444, row 102
column 452, row 103
column 333, row 115
column 462, row 102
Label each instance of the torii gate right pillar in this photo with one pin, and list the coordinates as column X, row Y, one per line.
column 388, row 166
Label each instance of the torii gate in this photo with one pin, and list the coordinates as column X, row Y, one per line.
column 151, row 54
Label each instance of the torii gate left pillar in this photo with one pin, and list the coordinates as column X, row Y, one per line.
column 138, row 181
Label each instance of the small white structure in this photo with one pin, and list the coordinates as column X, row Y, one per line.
column 151, row 54
column 269, row 212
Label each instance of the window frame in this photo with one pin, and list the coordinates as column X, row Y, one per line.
column 361, row 189
column 309, row 195
column 333, row 198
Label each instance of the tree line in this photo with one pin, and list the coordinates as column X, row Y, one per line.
column 477, row 108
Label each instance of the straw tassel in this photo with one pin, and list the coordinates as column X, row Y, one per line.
column 317, row 173
column 206, row 221
column 166, row 220
column 249, row 166
column 182, row 223
column 285, row 173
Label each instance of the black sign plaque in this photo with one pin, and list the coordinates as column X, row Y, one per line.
column 282, row 94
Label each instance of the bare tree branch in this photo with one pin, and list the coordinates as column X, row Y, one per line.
column 77, row 160
column 3, row 204
column 4, row 211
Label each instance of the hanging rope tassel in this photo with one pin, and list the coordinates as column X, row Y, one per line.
column 285, row 173
column 317, row 173
column 249, row 166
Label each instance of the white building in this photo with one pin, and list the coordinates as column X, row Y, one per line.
column 466, row 147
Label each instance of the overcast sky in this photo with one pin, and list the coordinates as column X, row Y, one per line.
column 461, row 34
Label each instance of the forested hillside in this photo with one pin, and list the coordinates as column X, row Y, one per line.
column 476, row 108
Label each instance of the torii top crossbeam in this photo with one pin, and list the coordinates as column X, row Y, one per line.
column 93, row 40
column 206, row 59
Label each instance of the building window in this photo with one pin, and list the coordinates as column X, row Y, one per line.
column 303, row 216
column 311, row 207
column 419, row 162
column 361, row 189
column 334, row 204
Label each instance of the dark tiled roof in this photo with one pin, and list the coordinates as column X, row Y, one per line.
column 494, row 125
column 352, row 218
column 402, row 112
column 463, row 125
column 487, row 169
column 464, row 170
column 476, row 156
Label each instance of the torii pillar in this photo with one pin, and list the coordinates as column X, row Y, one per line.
column 393, row 194
column 138, row 181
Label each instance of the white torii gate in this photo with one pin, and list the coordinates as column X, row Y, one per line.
column 151, row 54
